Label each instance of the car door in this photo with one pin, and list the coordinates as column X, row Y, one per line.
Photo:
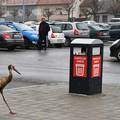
column 92, row 32
column 67, row 29
column 115, row 31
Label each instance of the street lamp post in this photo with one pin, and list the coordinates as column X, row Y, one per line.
column 5, row 8
column 23, row 9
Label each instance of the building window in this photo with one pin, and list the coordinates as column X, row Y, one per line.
column 58, row 8
column 104, row 18
column 97, row 18
column 59, row 11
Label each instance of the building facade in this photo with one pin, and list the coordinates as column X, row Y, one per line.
column 105, row 14
column 24, row 10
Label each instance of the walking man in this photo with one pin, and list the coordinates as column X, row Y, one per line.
column 43, row 33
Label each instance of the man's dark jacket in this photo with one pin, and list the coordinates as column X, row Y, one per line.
column 44, row 28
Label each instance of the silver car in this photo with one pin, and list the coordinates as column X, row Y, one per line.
column 73, row 30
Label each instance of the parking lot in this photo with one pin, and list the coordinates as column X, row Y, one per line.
column 51, row 66
column 42, row 90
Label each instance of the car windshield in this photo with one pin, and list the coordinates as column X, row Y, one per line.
column 23, row 27
column 5, row 28
column 56, row 29
column 96, row 27
column 115, row 27
column 105, row 26
column 81, row 26
column 115, row 20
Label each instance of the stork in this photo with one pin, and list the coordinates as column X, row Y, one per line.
column 4, row 81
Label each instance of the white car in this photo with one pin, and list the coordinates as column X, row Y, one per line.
column 31, row 23
column 55, row 35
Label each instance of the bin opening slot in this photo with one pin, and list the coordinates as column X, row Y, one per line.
column 80, row 51
column 96, row 51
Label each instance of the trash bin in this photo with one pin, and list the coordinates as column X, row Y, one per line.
column 86, row 63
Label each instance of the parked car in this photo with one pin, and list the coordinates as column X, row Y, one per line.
column 99, row 33
column 30, row 35
column 10, row 38
column 90, row 22
column 114, row 32
column 115, row 49
column 114, row 21
column 31, row 23
column 55, row 35
column 73, row 30
column 104, row 26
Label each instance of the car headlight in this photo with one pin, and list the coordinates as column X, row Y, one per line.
column 34, row 42
column 34, row 36
column 115, row 42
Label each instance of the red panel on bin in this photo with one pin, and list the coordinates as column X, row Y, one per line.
column 80, row 66
column 96, row 66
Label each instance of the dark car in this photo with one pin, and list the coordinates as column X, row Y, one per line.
column 10, row 38
column 104, row 25
column 114, row 32
column 115, row 49
column 30, row 35
column 99, row 33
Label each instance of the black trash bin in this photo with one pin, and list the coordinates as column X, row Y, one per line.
column 86, row 63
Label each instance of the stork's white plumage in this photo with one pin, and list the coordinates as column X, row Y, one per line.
column 4, row 81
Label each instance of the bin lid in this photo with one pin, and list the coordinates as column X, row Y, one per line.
column 86, row 41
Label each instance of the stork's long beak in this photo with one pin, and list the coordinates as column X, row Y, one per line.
column 16, row 70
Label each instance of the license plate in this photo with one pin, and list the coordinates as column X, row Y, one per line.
column 59, row 40
column 34, row 42
column 105, row 33
column 16, row 41
column 84, row 33
column 17, row 36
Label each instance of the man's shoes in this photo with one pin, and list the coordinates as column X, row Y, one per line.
column 39, row 48
column 45, row 49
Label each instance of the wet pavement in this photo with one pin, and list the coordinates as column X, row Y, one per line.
column 53, row 102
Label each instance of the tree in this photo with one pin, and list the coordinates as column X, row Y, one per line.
column 1, row 12
column 47, row 13
column 1, row 8
column 69, row 8
column 28, row 12
column 92, row 7
column 85, row 12
column 115, row 8
column 14, row 13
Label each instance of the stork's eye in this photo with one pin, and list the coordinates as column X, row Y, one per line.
column 13, row 67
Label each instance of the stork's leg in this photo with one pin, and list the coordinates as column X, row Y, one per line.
column 7, row 103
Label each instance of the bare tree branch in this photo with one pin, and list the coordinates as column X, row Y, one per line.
column 69, row 7
column 14, row 13
column 1, row 8
column 28, row 12
column 47, row 13
column 91, row 7
column 115, row 8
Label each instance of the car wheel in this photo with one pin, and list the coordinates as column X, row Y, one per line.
column 26, row 43
column 118, row 55
column 11, row 48
column 67, row 42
